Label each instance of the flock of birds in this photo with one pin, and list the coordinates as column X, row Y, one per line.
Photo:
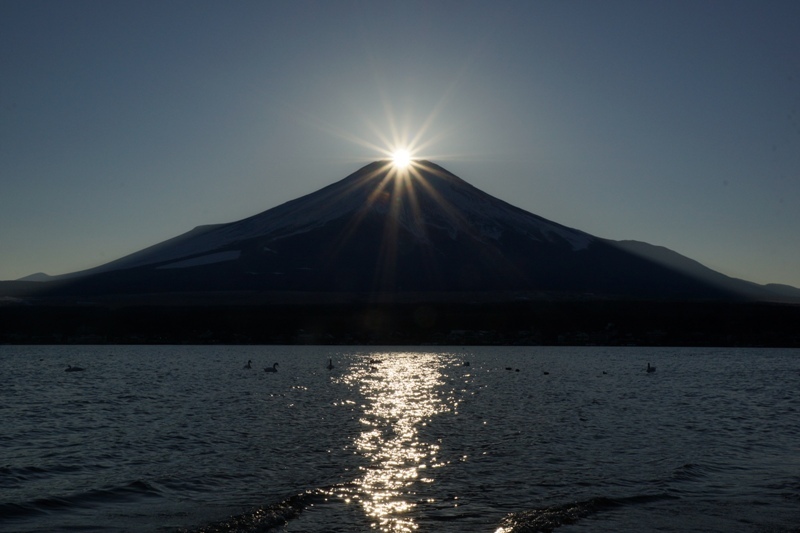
column 274, row 367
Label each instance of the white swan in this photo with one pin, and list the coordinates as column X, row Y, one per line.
column 330, row 364
column 273, row 369
column 650, row 368
column 249, row 362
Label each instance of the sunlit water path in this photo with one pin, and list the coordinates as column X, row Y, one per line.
column 184, row 438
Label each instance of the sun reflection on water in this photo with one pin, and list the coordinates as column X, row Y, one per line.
column 401, row 395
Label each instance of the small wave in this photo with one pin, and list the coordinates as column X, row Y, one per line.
column 23, row 473
column 18, row 476
column 547, row 519
column 134, row 489
column 267, row 518
column 688, row 472
column 36, row 507
column 88, row 499
column 695, row 472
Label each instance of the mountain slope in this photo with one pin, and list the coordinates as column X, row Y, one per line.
column 381, row 230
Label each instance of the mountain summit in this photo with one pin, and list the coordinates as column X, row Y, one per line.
column 418, row 230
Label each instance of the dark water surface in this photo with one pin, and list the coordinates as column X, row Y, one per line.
column 183, row 438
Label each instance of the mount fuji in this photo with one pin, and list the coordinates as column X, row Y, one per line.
column 415, row 231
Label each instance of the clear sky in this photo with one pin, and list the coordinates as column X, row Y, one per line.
column 126, row 123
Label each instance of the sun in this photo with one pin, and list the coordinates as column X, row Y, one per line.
column 401, row 158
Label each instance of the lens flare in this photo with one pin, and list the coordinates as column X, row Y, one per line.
column 401, row 158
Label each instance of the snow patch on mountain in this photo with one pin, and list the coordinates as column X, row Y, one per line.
column 209, row 259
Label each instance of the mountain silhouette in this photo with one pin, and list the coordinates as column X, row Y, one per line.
column 420, row 231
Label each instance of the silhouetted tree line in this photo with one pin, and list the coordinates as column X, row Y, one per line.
column 547, row 323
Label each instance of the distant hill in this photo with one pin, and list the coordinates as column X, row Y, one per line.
column 39, row 276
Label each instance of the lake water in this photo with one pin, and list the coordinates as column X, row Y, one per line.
column 524, row 439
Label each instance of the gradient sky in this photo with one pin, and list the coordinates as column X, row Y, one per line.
column 126, row 123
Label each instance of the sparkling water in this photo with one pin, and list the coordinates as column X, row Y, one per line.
column 444, row 439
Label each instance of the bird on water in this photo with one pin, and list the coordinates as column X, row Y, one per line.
column 249, row 363
column 71, row 368
column 274, row 368
column 330, row 364
column 650, row 369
